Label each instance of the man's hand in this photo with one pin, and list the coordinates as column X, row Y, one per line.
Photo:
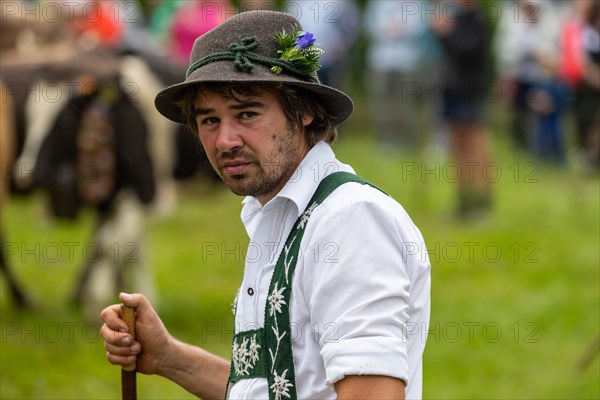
column 157, row 352
column 370, row 387
column 153, row 339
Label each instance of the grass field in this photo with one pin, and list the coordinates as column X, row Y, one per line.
column 515, row 296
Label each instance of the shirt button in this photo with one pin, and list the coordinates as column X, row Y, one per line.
column 250, row 291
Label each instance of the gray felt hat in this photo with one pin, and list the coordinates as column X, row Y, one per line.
column 243, row 49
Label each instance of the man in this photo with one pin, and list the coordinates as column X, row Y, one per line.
column 351, row 322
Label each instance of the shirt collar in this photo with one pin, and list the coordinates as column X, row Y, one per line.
column 319, row 162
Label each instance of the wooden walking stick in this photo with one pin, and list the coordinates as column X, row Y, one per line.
column 128, row 383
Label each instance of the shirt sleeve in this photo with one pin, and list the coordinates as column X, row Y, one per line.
column 360, row 287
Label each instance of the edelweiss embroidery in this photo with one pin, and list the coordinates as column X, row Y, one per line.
column 281, row 386
column 245, row 355
column 306, row 215
column 276, row 300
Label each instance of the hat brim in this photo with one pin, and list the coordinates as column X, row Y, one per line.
column 338, row 105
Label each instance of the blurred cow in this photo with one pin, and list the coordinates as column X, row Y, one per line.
column 101, row 143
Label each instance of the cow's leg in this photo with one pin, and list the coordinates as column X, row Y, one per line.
column 99, row 289
column 84, row 276
column 121, row 265
column 17, row 294
column 133, row 272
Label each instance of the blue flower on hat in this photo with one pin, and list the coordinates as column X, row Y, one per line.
column 305, row 40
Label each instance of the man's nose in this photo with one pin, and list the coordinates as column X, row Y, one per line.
column 228, row 137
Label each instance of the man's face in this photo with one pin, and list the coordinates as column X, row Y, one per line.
column 249, row 142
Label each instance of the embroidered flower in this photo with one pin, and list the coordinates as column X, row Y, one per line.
column 237, row 358
column 298, row 48
column 281, row 385
column 306, row 215
column 245, row 355
column 276, row 300
column 254, row 347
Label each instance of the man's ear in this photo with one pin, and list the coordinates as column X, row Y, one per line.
column 307, row 119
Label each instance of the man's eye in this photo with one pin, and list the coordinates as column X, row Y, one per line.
column 209, row 121
column 247, row 114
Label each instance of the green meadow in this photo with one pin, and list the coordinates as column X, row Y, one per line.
column 515, row 294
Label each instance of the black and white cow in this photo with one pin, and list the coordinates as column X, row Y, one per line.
column 147, row 153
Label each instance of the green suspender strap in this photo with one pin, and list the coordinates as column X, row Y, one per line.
column 267, row 352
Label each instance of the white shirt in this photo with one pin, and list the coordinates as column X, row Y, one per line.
column 360, row 293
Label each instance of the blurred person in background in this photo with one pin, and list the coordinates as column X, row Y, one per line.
column 585, row 73
column 336, row 24
column 515, row 53
column 397, row 32
column 550, row 96
column 192, row 19
column 528, row 50
column 463, row 36
column 120, row 26
column 101, row 22
column 160, row 18
column 177, row 23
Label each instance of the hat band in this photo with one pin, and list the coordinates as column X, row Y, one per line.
column 242, row 56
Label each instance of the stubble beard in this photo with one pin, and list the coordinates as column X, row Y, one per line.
column 267, row 176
